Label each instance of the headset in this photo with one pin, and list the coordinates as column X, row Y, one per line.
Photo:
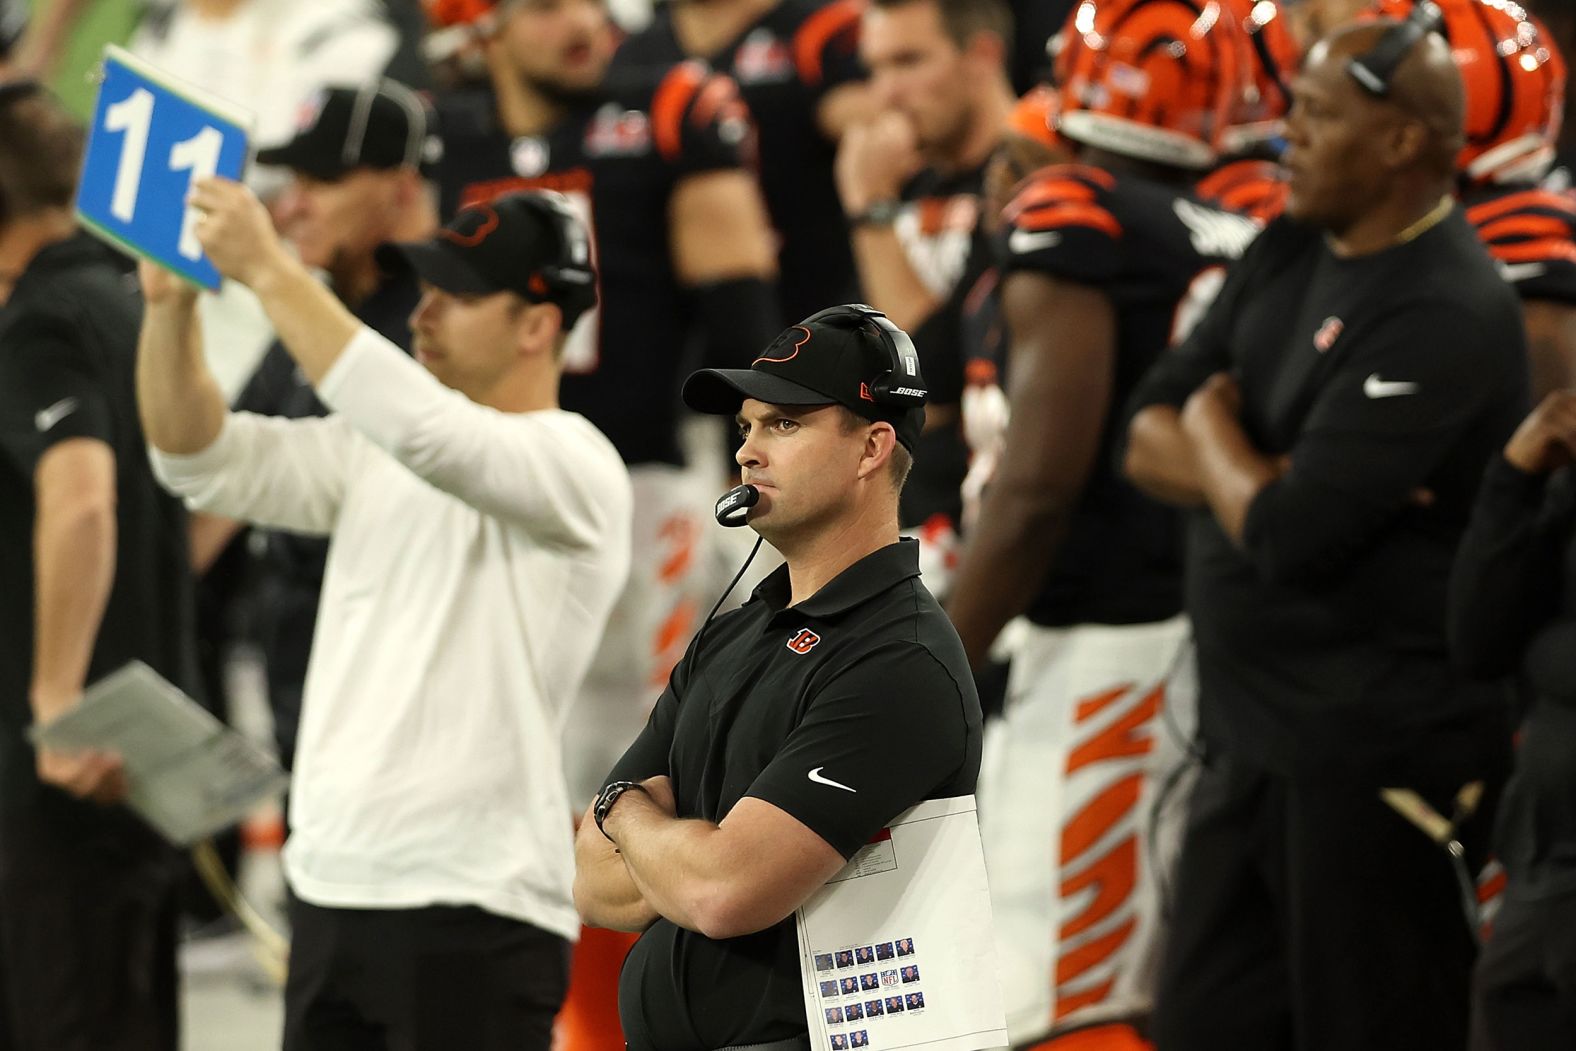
column 572, row 279
column 361, row 113
column 1374, row 69
column 898, row 386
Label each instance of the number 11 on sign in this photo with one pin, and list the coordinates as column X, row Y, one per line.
column 198, row 155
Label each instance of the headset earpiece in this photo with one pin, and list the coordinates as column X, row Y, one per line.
column 573, row 280
column 900, row 385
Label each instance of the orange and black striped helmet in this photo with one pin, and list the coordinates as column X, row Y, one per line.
column 1275, row 61
column 1515, row 82
column 1155, row 79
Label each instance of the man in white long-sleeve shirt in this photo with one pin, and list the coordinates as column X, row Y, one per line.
column 479, row 536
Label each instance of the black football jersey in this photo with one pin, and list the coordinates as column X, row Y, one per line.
column 1531, row 233
column 784, row 64
column 1159, row 253
column 617, row 157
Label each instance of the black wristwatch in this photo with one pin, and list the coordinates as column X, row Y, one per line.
column 607, row 797
column 878, row 213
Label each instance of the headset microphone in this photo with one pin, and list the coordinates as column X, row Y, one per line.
column 734, row 505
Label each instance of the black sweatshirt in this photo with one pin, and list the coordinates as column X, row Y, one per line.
column 1513, row 611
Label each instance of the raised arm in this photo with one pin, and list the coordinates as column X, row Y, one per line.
column 552, row 473
column 180, row 404
column 874, row 161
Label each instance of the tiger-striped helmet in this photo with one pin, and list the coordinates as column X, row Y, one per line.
column 1156, row 79
column 1275, row 58
column 1515, row 85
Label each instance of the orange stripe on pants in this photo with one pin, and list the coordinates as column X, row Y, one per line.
column 589, row 1019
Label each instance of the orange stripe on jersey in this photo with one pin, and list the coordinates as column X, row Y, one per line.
column 1090, row 215
column 1482, row 213
column 1525, row 226
column 717, row 93
column 1099, row 176
column 1048, row 191
column 811, row 37
column 1544, row 250
column 668, row 106
column 1233, row 177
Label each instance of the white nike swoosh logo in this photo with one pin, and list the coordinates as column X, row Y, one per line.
column 1514, row 272
column 44, row 419
column 1375, row 387
column 1022, row 242
column 815, row 775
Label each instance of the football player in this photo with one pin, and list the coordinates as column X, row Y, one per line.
column 797, row 65
column 1098, row 258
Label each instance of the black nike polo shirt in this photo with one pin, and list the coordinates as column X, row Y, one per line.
column 68, row 345
column 843, row 711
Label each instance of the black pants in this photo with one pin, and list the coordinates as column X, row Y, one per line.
column 87, row 928
column 1314, row 919
column 1525, row 984
column 432, row 979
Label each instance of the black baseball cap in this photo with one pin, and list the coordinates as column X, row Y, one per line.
column 381, row 125
column 842, row 356
column 530, row 243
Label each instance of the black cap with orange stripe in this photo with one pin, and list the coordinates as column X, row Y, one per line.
column 849, row 355
column 530, row 243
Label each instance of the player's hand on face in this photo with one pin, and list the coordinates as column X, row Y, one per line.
column 234, row 229
column 95, row 776
column 875, row 160
column 162, row 287
column 660, row 788
column 1546, row 439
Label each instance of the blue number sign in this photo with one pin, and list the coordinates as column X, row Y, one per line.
column 151, row 137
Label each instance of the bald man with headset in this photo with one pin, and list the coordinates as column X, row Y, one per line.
column 1326, row 425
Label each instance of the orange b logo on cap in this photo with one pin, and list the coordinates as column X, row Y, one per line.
column 486, row 223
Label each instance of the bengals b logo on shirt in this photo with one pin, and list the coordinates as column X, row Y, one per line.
column 804, row 642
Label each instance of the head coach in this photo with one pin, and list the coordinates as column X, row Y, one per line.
column 796, row 726
column 1329, row 420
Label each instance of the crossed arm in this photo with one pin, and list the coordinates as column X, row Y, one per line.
column 721, row 880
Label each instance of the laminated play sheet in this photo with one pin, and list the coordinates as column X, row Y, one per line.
column 897, row 950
